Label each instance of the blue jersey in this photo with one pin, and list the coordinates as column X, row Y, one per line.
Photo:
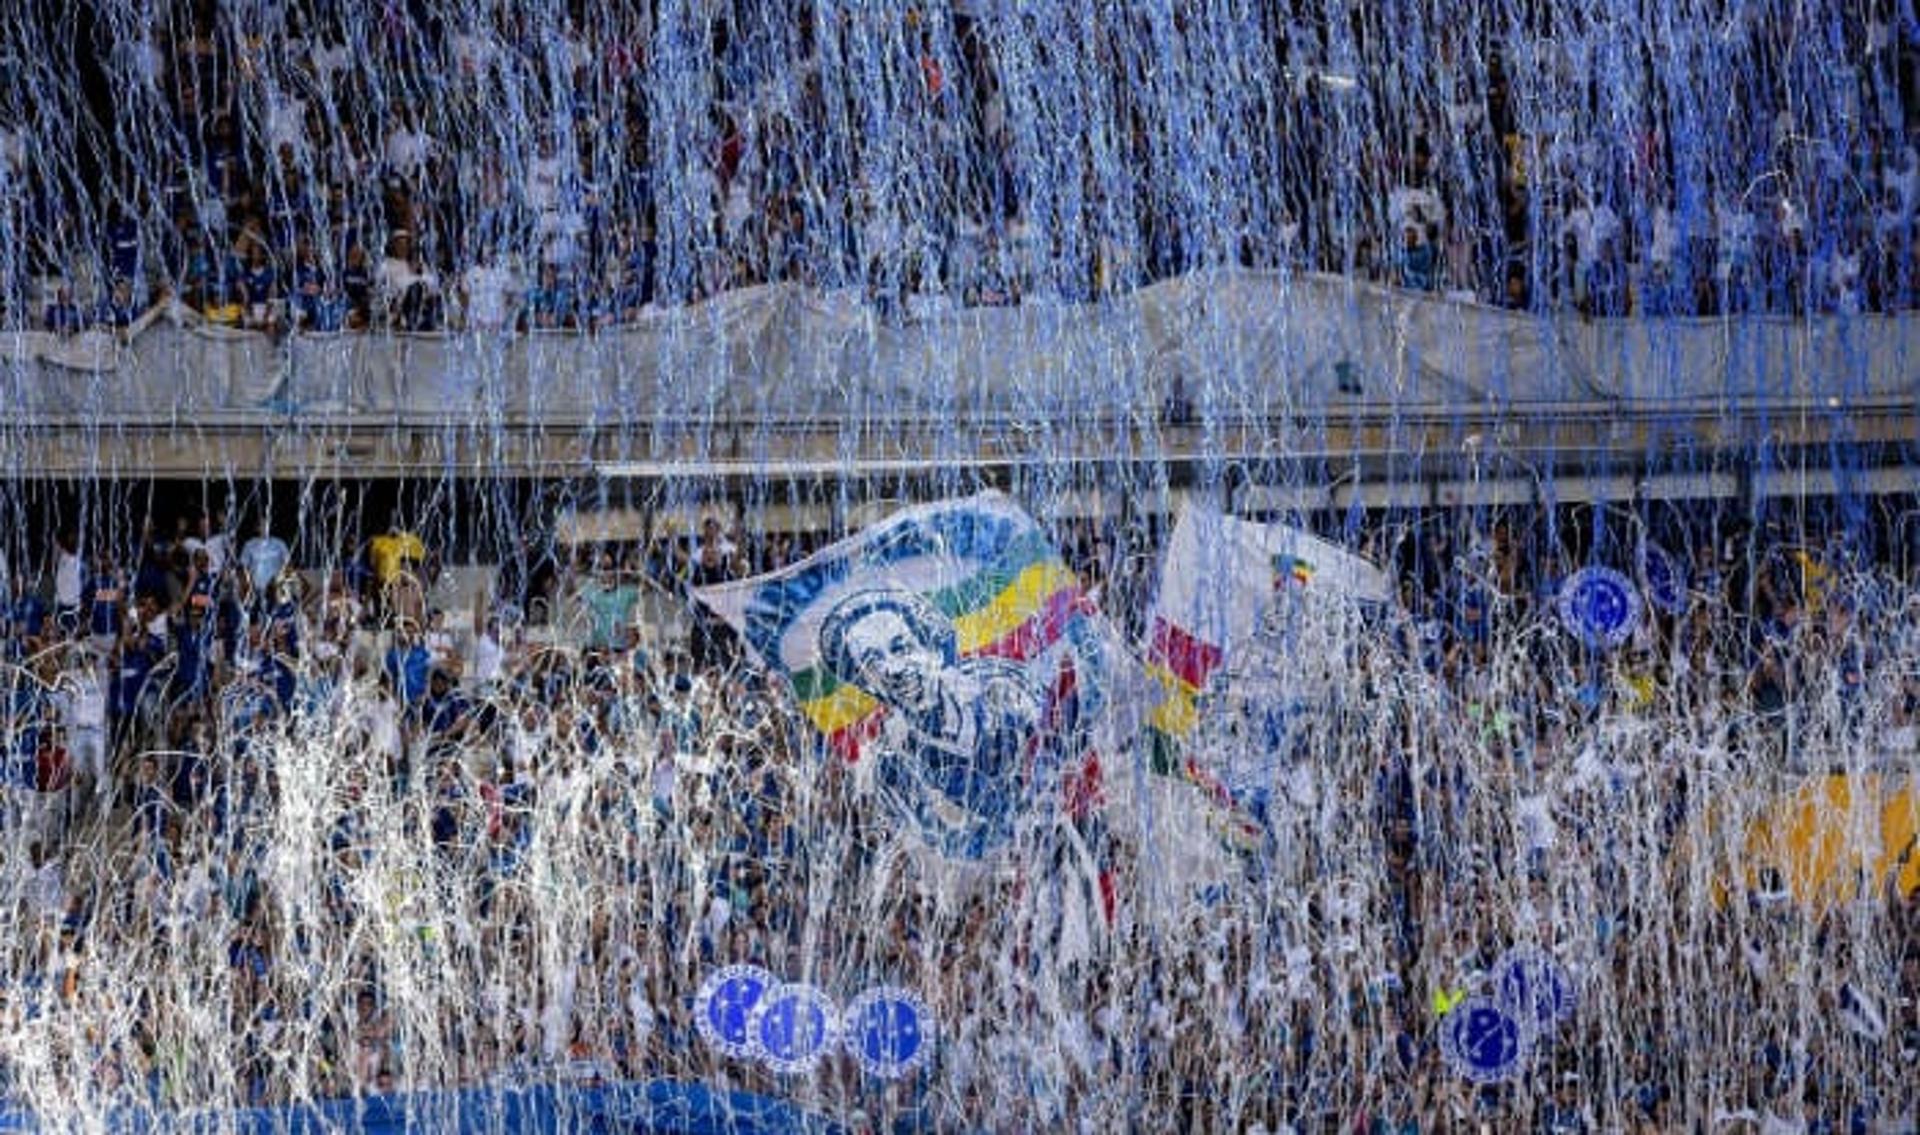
column 104, row 600
column 194, row 649
column 28, row 614
column 258, row 280
column 137, row 660
column 409, row 667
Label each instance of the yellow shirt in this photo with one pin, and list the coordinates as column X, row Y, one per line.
column 390, row 553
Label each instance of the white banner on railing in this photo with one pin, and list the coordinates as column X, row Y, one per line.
column 1224, row 343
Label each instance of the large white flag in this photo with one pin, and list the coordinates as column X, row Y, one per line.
column 1247, row 630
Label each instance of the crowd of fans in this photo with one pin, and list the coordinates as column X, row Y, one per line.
column 280, row 834
column 280, row 830
column 504, row 169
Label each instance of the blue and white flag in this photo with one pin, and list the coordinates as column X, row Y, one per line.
column 951, row 653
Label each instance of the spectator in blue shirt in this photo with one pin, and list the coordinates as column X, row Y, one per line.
column 356, row 284
column 125, row 257
column 223, row 165
column 213, row 281
column 26, row 614
column 445, row 712
column 318, row 303
column 104, row 600
column 552, row 302
column 151, row 801
column 139, row 652
column 259, row 289
column 117, row 310
column 193, row 651
column 64, row 316
column 408, row 664
column 1419, row 262
column 288, row 201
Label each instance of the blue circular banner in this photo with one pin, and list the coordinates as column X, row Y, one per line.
column 1483, row 1042
column 1533, row 987
column 1600, row 607
column 1664, row 577
column 793, row 1026
column 889, row 1031
column 723, row 1009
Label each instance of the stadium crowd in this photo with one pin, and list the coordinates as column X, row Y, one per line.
column 280, row 830
column 300, row 174
column 322, row 841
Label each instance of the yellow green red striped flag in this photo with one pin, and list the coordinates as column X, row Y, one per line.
column 952, row 632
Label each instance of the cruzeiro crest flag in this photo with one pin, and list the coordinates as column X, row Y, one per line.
column 1242, row 610
column 951, row 646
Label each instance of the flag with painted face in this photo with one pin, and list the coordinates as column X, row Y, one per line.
column 951, row 652
column 1248, row 623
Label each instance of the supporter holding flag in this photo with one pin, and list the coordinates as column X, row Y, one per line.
column 951, row 657
column 1248, row 629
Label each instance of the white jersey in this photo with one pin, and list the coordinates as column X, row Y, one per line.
column 66, row 580
column 85, row 699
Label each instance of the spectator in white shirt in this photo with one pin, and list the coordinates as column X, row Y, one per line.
column 83, row 710
column 69, row 574
column 407, row 151
column 411, row 289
